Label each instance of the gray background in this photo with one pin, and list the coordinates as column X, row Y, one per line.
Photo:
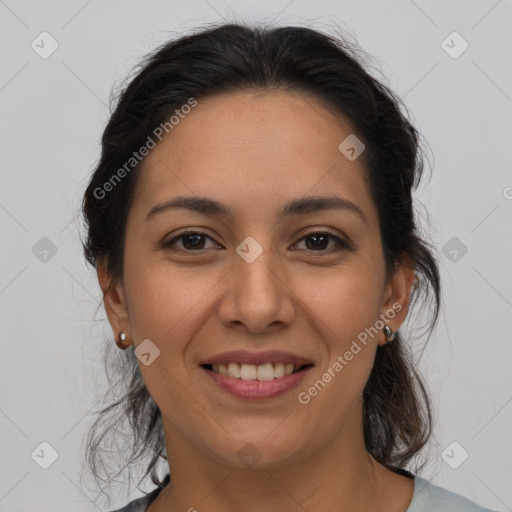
column 53, row 111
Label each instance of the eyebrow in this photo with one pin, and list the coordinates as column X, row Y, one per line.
column 301, row 206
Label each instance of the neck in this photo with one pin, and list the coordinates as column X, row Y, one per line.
column 340, row 476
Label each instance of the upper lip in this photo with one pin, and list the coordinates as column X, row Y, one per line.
column 256, row 358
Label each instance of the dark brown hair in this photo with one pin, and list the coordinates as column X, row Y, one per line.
column 397, row 416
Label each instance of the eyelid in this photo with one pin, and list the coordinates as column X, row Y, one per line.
column 325, row 231
column 170, row 244
column 342, row 242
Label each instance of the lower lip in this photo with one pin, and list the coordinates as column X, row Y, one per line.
column 257, row 389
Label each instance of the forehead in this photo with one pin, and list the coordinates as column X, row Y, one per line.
column 254, row 148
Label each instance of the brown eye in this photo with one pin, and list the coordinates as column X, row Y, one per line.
column 319, row 241
column 190, row 241
column 315, row 242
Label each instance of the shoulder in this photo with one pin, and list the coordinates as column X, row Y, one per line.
column 141, row 504
column 138, row 505
column 430, row 498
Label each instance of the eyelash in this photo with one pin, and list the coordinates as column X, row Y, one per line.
column 341, row 244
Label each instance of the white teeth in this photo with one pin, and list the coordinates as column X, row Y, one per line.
column 233, row 370
column 267, row 371
column 278, row 370
column 248, row 372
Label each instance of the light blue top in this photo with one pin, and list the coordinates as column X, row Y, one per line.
column 426, row 498
column 431, row 498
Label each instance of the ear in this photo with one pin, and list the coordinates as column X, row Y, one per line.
column 397, row 295
column 114, row 302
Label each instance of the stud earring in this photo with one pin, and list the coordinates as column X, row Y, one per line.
column 119, row 341
column 388, row 332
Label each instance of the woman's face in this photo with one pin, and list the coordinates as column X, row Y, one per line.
column 255, row 280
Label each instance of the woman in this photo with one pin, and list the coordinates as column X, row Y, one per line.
column 252, row 227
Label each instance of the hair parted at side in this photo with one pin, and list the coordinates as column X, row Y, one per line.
column 397, row 415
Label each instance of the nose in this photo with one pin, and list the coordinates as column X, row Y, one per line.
column 257, row 296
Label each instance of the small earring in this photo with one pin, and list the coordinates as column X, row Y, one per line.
column 119, row 342
column 388, row 332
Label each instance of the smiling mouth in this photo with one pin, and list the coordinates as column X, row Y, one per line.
column 262, row 372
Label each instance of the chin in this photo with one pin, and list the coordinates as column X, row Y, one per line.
column 258, row 450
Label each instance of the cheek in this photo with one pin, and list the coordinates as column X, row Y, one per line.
column 165, row 307
column 343, row 303
column 165, row 302
column 342, row 307
column 341, row 313
column 168, row 306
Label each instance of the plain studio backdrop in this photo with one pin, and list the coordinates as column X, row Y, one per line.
column 449, row 61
